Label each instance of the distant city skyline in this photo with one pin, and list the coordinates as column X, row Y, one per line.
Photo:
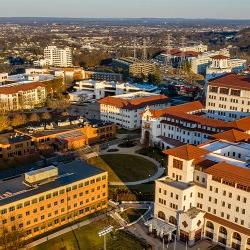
column 224, row 9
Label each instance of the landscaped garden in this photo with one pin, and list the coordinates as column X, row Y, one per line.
column 87, row 238
column 124, row 167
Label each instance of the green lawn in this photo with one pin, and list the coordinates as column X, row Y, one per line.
column 154, row 153
column 132, row 214
column 125, row 168
column 89, row 240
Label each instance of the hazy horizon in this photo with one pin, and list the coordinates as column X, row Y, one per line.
column 187, row 9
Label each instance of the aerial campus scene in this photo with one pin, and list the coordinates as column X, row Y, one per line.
column 124, row 125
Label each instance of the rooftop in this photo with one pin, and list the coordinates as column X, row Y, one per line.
column 176, row 184
column 14, row 189
column 232, row 81
column 186, row 152
column 134, row 100
column 230, row 173
column 232, row 135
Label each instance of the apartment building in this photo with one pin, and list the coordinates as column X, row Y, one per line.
column 228, row 97
column 206, row 193
column 54, row 56
column 42, row 200
column 125, row 110
column 135, row 67
column 22, row 95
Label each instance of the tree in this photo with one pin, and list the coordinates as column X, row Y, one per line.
column 18, row 120
column 12, row 237
column 34, row 117
column 4, row 122
column 46, row 116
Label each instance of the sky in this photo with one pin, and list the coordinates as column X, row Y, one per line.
column 228, row 9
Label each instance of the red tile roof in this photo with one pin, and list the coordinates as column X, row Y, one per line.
column 242, row 124
column 133, row 103
column 232, row 135
column 220, row 57
column 186, row 152
column 185, row 108
column 20, row 87
column 232, row 81
column 230, row 173
column 177, row 52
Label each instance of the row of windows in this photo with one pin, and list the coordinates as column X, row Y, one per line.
column 55, row 194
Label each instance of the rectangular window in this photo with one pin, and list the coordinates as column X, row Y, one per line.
column 177, row 164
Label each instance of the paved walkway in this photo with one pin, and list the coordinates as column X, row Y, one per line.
column 131, row 151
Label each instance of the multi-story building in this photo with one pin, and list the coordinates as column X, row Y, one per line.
column 228, row 97
column 42, row 200
column 135, row 67
column 102, row 76
column 57, row 57
column 125, row 110
column 26, row 95
column 206, row 192
column 186, row 123
column 92, row 89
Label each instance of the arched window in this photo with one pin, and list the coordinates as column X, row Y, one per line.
column 209, row 224
column 161, row 215
column 223, row 230
column 236, row 236
column 172, row 220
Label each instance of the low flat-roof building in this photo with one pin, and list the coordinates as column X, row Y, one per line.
column 42, row 200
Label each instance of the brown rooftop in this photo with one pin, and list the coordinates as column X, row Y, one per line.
column 230, row 173
column 232, row 135
column 232, row 81
column 133, row 103
column 186, row 152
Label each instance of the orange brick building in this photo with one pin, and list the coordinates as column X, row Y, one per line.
column 48, row 198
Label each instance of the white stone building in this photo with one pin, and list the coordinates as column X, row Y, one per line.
column 126, row 110
column 57, row 57
column 20, row 95
column 206, row 192
column 228, row 97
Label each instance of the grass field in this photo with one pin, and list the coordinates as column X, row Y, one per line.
column 125, row 168
column 88, row 239
column 132, row 214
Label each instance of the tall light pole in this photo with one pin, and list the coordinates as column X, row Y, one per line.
column 103, row 233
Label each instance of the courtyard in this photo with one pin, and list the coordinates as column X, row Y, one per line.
column 125, row 167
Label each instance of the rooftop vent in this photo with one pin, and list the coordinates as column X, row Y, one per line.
column 41, row 174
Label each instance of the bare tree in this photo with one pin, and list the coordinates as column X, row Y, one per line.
column 4, row 122
column 34, row 117
column 46, row 116
column 18, row 120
